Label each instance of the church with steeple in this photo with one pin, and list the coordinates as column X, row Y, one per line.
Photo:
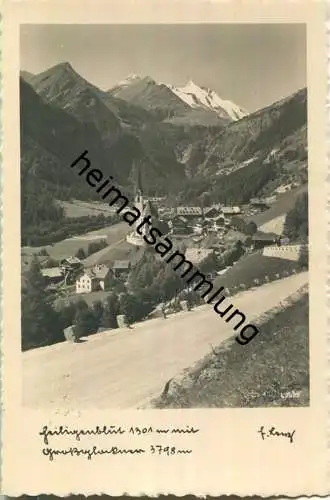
column 145, row 207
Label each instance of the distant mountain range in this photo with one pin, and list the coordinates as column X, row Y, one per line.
column 173, row 102
column 185, row 138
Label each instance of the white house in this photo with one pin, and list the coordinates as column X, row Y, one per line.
column 97, row 278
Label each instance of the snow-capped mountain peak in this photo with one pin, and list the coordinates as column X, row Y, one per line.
column 129, row 79
column 200, row 97
column 191, row 86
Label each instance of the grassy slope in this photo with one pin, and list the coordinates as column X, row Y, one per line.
column 254, row 375
column 78, row 208
column 65, row 248
column 283, row 205
column 254, row 266
column 120, row 250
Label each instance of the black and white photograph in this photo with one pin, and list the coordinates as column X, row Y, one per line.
column 164, row 216
column 164, row 249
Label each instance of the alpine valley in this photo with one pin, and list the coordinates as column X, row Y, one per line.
column 191, row 144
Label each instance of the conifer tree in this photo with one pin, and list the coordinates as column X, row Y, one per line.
column 81, row 254
column 130, row 307
column 40, row 322
column 110, row 311
column 85, row 322
column 98, row 311
column 296, row 222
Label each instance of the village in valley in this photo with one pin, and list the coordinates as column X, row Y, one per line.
column 204, row 233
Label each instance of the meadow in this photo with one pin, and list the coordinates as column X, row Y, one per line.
column 260, row 374
column 253, row 267
column 70, row 246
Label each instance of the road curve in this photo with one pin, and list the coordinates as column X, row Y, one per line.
column 124, row 368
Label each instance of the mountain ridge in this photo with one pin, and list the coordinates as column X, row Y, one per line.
column 149, row 93
column 174, row 153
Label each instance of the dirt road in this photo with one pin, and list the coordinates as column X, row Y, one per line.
column 124, row 368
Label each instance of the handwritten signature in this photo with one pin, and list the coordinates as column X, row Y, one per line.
column 272, row 432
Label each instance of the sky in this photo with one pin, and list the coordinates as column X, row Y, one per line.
column 252, row 65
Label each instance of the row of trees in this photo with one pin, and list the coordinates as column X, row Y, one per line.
column 93, row 247
column 248, row 228
column 47, row 232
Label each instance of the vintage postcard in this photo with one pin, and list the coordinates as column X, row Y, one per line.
column 164, row 248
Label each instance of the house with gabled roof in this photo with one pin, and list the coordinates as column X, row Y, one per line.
column 97, row 278
column 53, row 275
column 71, row 261
column 212, row 211
column 121, row 267
column 261, row 240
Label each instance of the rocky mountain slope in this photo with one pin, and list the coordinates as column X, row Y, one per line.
column 56, row 127
column 273, row 137
column 63, row 87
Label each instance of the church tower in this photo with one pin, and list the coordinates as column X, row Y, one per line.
column 145, row 208
column 138, row 198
